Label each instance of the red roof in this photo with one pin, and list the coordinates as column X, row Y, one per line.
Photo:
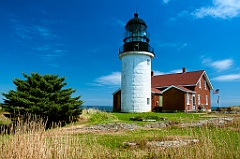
column 177, row 79
column 154, row 90
column 184, row 89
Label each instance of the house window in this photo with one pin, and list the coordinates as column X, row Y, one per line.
column 205, row 84
column 206, row 99
column 188, row 100
column 160, row 100
column 199, row 99
column 193, row 102
column 148, row 101
column 200, row 84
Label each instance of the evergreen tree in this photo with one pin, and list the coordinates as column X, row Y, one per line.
column 43, row 96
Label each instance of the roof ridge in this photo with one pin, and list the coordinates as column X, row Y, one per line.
column 178, row 73
column 183, row 79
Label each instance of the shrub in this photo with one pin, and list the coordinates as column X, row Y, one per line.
column 43, row 96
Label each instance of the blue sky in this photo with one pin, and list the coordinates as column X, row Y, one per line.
column 79, row 40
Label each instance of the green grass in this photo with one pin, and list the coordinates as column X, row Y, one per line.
column 214, row 134
column 99, row 117
column 214, row 142
column 179, row 117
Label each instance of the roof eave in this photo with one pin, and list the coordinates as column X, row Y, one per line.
column 173, row 86
column 187, row 85
column 156, row 92
column 207, row 80
column 119, row 89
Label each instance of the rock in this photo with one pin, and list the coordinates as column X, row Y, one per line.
column 217, row 122
column 156, row 125
column 163, row 118
column 149, row 120
column 174, row 143
column 129, row 143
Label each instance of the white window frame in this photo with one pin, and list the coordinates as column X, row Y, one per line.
column 188, row 99
column 205, row 84
column 200, row 83
column 206, row 99
column 199, row 99
column 193, row 102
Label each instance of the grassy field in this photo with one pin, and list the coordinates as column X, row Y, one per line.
column 168, row 116
column 32, row 141
column 98, row 117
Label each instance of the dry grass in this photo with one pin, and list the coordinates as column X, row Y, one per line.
column 4, row 120
column 32, row 141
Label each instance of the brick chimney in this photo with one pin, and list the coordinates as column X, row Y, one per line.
column 184, row 70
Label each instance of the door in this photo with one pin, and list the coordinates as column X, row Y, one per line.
column 193, row 102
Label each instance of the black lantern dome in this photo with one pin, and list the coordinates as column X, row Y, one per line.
column 136, row 23
column 136, row 37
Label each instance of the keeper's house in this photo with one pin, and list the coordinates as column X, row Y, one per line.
column 185, row 91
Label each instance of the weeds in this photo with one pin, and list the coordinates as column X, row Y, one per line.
column 32, row 141
column 97, row 116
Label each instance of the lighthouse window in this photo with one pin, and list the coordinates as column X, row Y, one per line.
column 136, row 46
column 148, row 101
column 148, row 62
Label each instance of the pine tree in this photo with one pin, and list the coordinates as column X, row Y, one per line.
column 44, row 96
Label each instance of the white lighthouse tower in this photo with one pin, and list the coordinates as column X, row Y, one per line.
column 136, row 55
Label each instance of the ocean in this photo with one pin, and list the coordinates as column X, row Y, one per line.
column 214, row 108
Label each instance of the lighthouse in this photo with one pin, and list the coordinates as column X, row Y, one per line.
column 136, row 55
